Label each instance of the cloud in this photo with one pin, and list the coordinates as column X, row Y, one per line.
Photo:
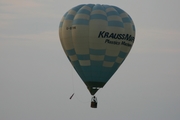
column 25, row 18
column 156, row 40
column 44, row 35
column 12, row 11
column 19, row 4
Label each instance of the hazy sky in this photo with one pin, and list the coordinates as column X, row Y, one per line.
column 36, row 79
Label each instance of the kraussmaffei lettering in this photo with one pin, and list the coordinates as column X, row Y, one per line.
column 104, row 34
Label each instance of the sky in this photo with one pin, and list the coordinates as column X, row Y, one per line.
column 36, row 78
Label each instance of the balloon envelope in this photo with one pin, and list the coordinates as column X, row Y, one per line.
column 96, row 39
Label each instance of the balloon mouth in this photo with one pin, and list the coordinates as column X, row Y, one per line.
column 93, row 90
column 93, row 87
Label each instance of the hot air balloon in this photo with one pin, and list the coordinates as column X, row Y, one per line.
column 96, row 39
